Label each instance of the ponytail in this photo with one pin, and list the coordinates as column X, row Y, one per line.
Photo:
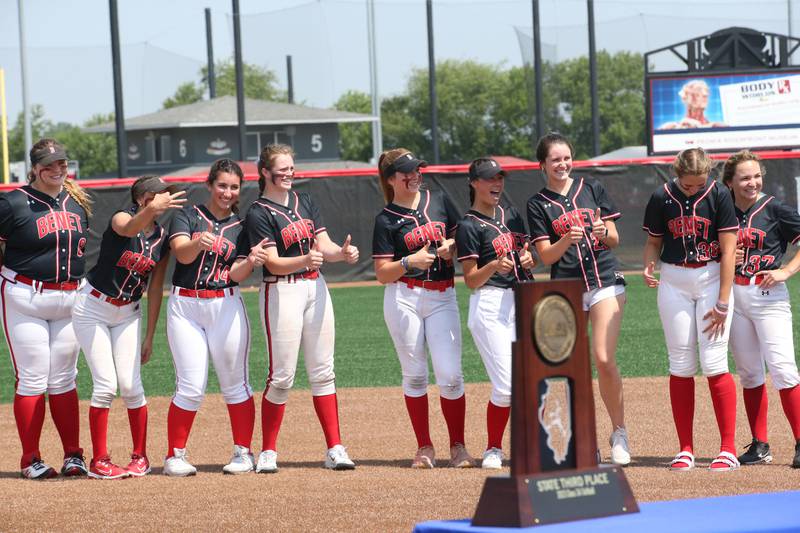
column 79, row 194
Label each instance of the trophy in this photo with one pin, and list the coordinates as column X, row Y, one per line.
column 554, row 472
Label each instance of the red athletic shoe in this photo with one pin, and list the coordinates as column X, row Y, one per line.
column 103, row 468
column 139, row 466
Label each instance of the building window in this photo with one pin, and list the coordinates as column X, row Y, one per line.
column 158, row 148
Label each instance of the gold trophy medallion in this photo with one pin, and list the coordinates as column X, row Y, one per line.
column 554, row 328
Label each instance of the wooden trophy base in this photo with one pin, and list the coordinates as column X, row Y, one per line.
column 558, row 496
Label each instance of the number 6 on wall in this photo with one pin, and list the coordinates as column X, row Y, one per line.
column 316, row 143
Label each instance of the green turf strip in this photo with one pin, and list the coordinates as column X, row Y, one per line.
column 364, row 352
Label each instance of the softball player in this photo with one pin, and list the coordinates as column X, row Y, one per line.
column 761, row 330
column 572, row 226
column 295, row 304
column 691, row 226
column 107, row 313
column 43, row 231
column 493, row 250
column 412, row 247
column 206, row 314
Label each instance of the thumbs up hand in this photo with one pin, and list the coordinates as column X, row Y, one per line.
column 314, row 258
column 526, row 259
column 598, row 226
column 349, row 252
column 207, row 238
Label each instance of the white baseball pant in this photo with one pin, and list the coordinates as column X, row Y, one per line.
column 685, row 295
column 298, row 312
column 197, row 327
column 38, row 328
column 111, row 341
column 493, row 326
column 761, row 332
column 414, row 316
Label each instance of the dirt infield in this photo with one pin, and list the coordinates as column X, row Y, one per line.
column 382, row 494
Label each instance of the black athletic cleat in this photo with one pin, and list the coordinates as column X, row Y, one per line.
column 757, row 453
column 796, row 462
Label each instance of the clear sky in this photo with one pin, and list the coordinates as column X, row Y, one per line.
column 69, row 56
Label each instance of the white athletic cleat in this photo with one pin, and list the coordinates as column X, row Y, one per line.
column 267, row 462
column 492, row 459
column 241, row 462
column 620, row 451
column 337, row 459
column 38, row 469
column 177, row 465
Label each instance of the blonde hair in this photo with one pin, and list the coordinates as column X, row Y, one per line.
column 75, row 191
column 387, row 158
column 693, row 162
column 729, row 168
column 267, row 158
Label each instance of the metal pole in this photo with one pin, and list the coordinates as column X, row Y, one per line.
column 289, row 79
column 4, row 125
column 212, row 78
column 119, row 114
column 23, row 65
column 377, row 135
column 537, row 71
column 237, row 59
column 432, row 85
column 593, row 82
column 789, row 17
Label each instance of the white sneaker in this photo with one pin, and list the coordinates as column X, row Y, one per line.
column 492, row 459
column 620, row 452
column 38, row 469
column 337, row 459
column 177, row 465
column 267, row 462
column 241, row 462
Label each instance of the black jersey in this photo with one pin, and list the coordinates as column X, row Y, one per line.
column 124, row 265
column 400, row 231
column 211, row 268
column 551, row 215
column 488, row 238
column 291, row 229
column 690, row 226
column 765, row 229
column 45, row 237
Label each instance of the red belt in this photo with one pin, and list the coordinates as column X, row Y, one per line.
column 692, row 265
column 204, row 293
column 440, row 286
column 38, row 285
column 744, row 280
column 119, row 302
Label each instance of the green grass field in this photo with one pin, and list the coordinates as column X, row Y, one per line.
column 364, row 352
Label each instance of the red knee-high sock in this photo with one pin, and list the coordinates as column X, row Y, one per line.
column 756, row 404
column 681, row 396
column 29, row 414
column 179, row 424
column 418, row 413
column 496, row 420
column 271, row 419
column 243, row 420
column 64, row 410
column 454, row 412
column 98, row 428
column 138, row 421
column 790, row 399
column 328, row 414
column 723, row 396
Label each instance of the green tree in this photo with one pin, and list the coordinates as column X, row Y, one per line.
column 40, row 126
column 186, row 93
column 96, row 153
column 355, row 140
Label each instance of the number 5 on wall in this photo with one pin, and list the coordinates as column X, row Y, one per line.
column 316, row 143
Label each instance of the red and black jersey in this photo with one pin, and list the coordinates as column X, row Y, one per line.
column 210, row 269
column 45, row 237
column 485, row 239
column 765, row 230
column 291, row 229
column 124, row 265
column 400, row 231
column 690, row 226
column 552, row 215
